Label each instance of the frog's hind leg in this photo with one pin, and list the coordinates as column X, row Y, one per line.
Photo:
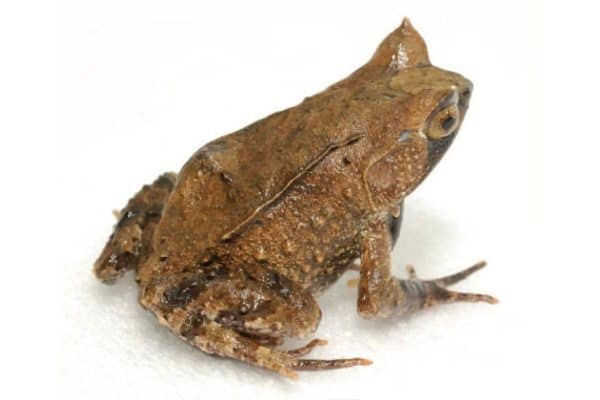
column 232, row 314
column 131, row 239
column 223, row 341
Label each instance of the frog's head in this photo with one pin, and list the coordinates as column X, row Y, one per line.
column 422, row 113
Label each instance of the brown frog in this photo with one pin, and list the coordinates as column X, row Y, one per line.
column 230, row 252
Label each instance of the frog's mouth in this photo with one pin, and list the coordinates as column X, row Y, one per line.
column 437, row 148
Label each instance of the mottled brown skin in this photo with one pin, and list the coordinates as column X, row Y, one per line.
column 230, row 252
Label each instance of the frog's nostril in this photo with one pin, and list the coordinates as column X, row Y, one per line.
column 463, row 100
column 467, row 89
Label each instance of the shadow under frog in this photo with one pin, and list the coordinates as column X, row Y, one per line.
column 230, row 252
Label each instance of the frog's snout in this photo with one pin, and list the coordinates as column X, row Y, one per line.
column 464, row 96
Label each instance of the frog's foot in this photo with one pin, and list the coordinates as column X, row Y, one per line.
column 291, row 361
column 426, row 293
column 441, row 283
column 223, row 341
column 131, row 239
column 315, row 365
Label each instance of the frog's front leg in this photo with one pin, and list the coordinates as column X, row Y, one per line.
column 380, row 294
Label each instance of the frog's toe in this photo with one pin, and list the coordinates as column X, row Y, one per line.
column 307, row 348
column 454, row 278
column 434, row 291
column 317, row 365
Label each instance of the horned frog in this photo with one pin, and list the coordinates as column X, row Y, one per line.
column 230, row 252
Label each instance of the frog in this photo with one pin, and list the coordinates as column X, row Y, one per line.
column 232, row 252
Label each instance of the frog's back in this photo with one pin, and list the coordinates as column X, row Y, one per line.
column 229, row 181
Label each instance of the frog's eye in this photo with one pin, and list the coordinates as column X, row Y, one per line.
column 444, row 122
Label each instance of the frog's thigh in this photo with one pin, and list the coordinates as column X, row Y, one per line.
column 248, row 306
column 267, row 311
column 380, row 293
column 131, row 240
column 234, row 317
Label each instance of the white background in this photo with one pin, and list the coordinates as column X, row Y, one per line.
column 101, row 97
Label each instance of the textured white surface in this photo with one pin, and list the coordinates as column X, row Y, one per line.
column 143, row 84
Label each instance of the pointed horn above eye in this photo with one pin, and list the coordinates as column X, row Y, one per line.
column 403, row 48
